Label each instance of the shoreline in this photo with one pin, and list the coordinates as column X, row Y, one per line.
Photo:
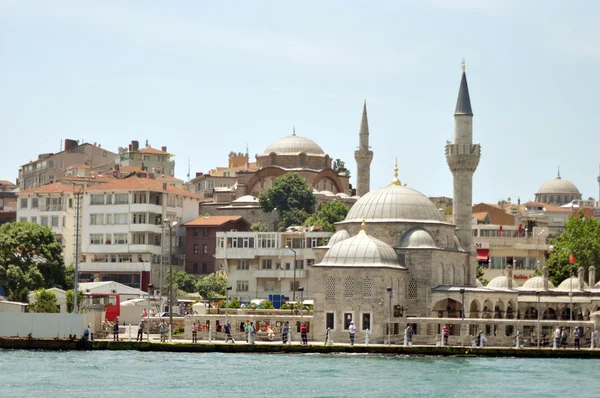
column 278, row 348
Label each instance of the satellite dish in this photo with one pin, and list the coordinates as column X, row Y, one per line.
column 509, row 199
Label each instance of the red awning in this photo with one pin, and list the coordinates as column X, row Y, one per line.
column 483, row 254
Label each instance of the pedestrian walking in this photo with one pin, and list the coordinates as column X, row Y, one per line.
column 140, row 334
column 304, row 333
column 446, row 332
column 246, row 329
column 116, row 330
column 557, row 334
column 163, row 331
column 409, row 334
column 251, row 333
column 563, row 338
column 285, row 329
column 228, row 333
column 576, row 337
column 352, row 332
column 194, row 333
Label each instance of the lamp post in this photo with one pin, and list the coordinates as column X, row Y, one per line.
column 227, row 289
column 538, row 322
column 389, row 290
column 301, row 290
column 170, row 224
column 571, row 296
column 294, row 283
column 78, row 193
column 150, row 286
column 462, row 315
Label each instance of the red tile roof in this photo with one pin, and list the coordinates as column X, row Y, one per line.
column 57, row 187
column 153, row 151
column 206, row 221
column 141, row 184
column 480, row 216
column 131, row 169
column 8, row 183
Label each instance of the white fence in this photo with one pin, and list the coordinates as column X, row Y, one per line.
column 50, row 326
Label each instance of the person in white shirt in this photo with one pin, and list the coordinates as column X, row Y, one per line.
column 352, row 331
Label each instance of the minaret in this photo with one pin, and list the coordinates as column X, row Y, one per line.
column 463, row 157
column 363, row 157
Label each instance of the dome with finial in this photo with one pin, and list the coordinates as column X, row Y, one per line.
column 499, row 282
column 395, row 202
column 536, row 283
column 558, row 186
column 417, row 238
column 571, row 284
column 293, row 145
column 339, row 236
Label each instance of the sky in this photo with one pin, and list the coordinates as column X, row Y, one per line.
column 206, row 78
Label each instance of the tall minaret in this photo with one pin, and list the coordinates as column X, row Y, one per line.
column 363, row 157
column 463, row 157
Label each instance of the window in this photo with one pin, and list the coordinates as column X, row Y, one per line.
column 205, row 231
column 195, row 268
column 34, row 219
column 330, row 320
column 367, row 287
column 1, row 203
column 121, row 199
column 51, row 164
column 97, row 199
column 146, row 157
column 242, row 286
column 347, row 319
column 54, row 221
column 24, row 203
column 349, row 288
column 366, row 321
column 22, row 219
column 204, row 249
column 44, row 221
column 109, row 199
column 330, row 288
column 121, row 219
column 195, row 232
column 120, row 239
column 267, row 264
column 299, row 264
column 96, row 219
column 195, row 249
column 269, row 286
column 204, row 268
column 108, row 239
column 221, row 243
column 412, row 289
column 96, row 239
column 34, row 203
column 242, row 265
column 70, row 203
column 109, row 219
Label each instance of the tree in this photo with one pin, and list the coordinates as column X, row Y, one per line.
column 30, row 259
column 339, row 166
column 45, row 301
column 328, row 214
column 480, row 277
column 185, row 281
column 212, row 286
column 259, row 226
column 70, row 301
column 292, row 197
column 581, row 241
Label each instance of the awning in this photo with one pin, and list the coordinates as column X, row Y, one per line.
column 483, row 254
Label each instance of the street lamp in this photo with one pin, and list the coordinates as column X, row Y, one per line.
column 227, row 289
column 170, row 224
column 294, row 283
column 150, row 286
column 538, row 323
column 462, row 314
column 389, row 290
column 301, row 290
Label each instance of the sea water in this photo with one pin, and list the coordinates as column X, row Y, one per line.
column 132, row 373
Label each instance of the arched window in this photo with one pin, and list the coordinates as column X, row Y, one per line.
column 367, row 287
column 412, row 289
column 349, row 288
column 330, row 288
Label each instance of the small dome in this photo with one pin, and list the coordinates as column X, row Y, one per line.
column 478, row 283
column 293, row 145
column 536, row 283
column 342, row 195
column 417, row 238
column 571, row 284
column 499, row 282
column 393, row 203
column 339, row 236
column 558, row 185
column 361, row 250
column 246, row 199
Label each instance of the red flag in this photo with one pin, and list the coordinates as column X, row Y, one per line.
column 572, row 258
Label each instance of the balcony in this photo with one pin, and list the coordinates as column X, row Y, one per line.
column 280, row 274
column 114, row 267
column 153, row 228
column 51, row 208
column 145, row 208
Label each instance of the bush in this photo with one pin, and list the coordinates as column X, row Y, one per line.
column 285, row 306
column 251, row 306
column 267, row 305
column 233, row 303
column 178, row 329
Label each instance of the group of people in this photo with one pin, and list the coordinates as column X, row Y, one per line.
column 561, row 336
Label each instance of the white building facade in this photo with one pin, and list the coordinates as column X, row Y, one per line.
column 261, row 264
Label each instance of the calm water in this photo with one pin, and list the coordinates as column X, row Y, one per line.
column 128, row 373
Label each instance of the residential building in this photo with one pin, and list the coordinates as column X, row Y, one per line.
column 259, row 264
column 7, row 186
column 201, row 241
column 49, row 167
column 53, row 206
column 123, row 229
column 8, row 207
column 148, row 159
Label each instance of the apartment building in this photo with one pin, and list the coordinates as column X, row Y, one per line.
column 124, row 236
column 259, row 264
column 53, row 206
column 148, row 159
column 8, row 202
column 49, row 167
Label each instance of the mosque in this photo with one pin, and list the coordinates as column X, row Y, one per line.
column 395, row 260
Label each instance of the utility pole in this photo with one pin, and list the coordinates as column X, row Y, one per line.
column 78, row 193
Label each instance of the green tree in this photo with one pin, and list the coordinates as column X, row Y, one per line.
column 267, row 305
column 185, row 281
column 30, row 259
column 45, row 301
column 339, row 166
column 259, row 226
column 328, row 214
column 290, row 194
column 581, row 238
column 212, row 286
column 70, row 299
column 480, row 277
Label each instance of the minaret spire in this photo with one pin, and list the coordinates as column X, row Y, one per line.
column 463, row 158
column 558, row 175
column 363, row 156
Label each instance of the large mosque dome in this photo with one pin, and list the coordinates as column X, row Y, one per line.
column 393, row 203
column 293, row 145
column 558, row 186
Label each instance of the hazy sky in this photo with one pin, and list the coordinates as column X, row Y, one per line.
column 206, row 77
